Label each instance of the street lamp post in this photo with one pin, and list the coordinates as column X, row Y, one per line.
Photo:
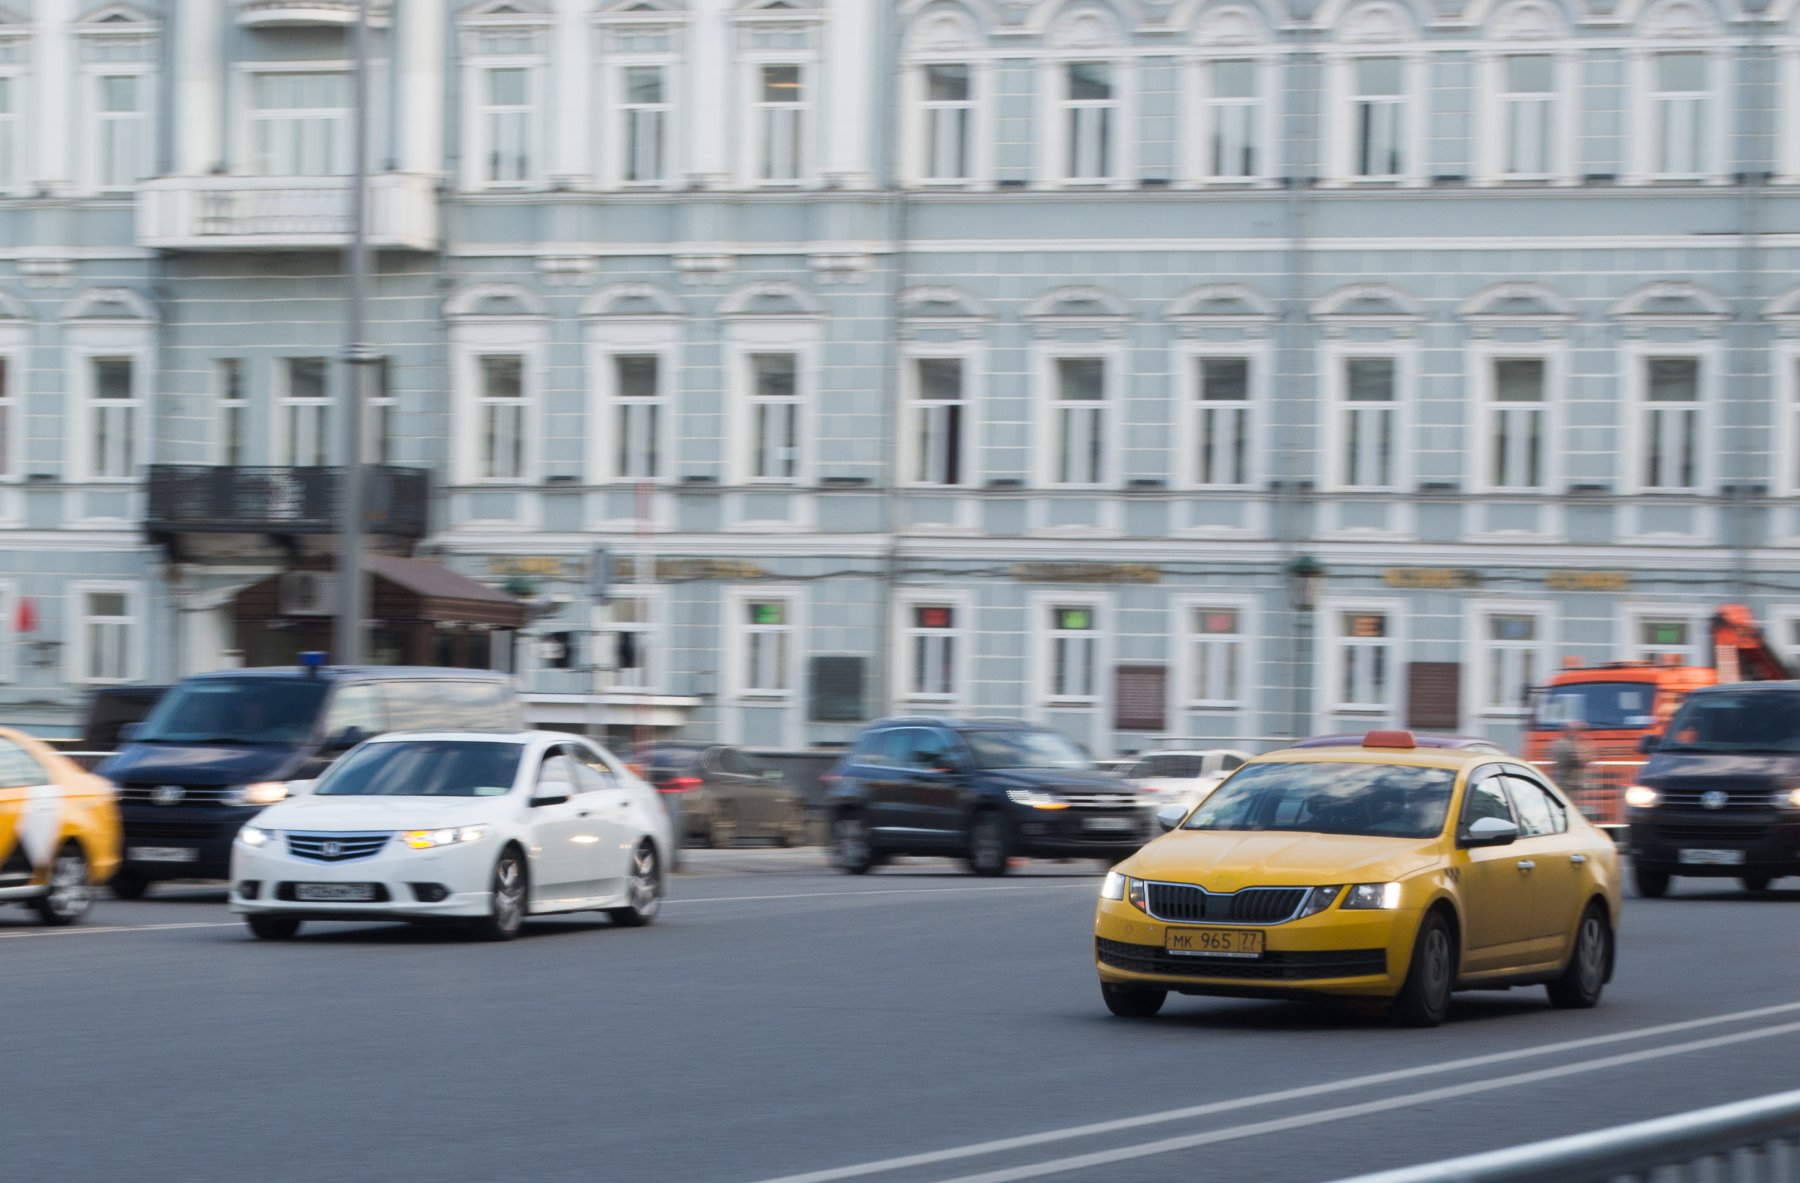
column 1304, row 576
column 347, row 631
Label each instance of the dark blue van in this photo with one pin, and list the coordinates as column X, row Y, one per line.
column 219, row 747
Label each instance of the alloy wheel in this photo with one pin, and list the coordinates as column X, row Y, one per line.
column 646, row 883
column 509, row 893
column 69, row 897
column 1591, row 954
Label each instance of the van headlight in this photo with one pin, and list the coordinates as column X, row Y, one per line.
column 255, row 836
column 1642, row 797
column 450, row 836
column 1373, row 896
column 1789, row 798
column 263, row 792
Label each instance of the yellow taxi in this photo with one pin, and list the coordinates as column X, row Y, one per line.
column 1384, row 871
column 59, row 830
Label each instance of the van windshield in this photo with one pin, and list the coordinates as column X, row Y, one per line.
column 1750, row 721
column 1603, row 706
column 237, row 710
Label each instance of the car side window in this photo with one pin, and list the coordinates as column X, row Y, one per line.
column 357, row 705
column 736, row 763
column 1487, row 798
column 17, row 769
column 587, row 780
column 1539, row 814
column 412, row 706
column 888, row 749
column 928, row 749
column 1231, row 763
column 559, row 769
column 592, row 762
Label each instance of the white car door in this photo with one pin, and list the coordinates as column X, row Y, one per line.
column 604, row 848
column 560, row 834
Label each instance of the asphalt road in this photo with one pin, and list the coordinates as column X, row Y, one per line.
column 782, row 1022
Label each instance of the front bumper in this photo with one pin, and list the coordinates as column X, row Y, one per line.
column 403, row 879
column 1770, row 841
column 1345, row 954
column 1079, row 833
column 206, row 830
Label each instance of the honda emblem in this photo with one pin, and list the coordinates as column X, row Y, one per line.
column 332, row 849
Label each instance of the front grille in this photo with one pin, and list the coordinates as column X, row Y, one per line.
column 145, row 794
column 1254, row 905
column 335, row 848
column 1735, row 799
column 1270, row 967
column 1100, row 800
column 161, row 833
column 1680, row 833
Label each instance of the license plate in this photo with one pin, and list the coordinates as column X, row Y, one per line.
column 1110, row 825
column 1216, row 942
column 1713, row 858
column 346, row 892
column 162, row 854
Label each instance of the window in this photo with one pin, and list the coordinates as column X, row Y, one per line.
column 378, row 415
column 1512, row 661
column 949, row 120
column 1487, row 799
column 1368, row 424
column 637, row 391
column 1528, row 115
column 500, row 397
column 1365, row 673
column 228, row 382
column 305, row 434
column 11, row 421
column 1679, row 105
column 644, row 112
column 112, row 425
column 357, row 705
column 300, row 124
column 1090, row 111
column 1378, row 113
column 508, row 126
column 121, row 130
column 106, row 641
column 932, row 645
column 1671, row 423
column 1540, row 814
column 1232, row 117
column 1074, row 653
column 1222, row 421
column 940, row 418
column 1215, row 656
column 768, row 644
column 781, row 118
column 1079, row 421
column 1658, row 637
column 11, row 87
column 628, row 623
column 775, row 416
column 1516, row 425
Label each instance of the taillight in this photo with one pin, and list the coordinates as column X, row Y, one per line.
column 829, row 779
column 680, row 784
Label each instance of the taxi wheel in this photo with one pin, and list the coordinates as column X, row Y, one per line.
column 1425, row 999
column 69, row 896
column 128, row 885
column 1584, row 979
column 506, row 912
column 273, row 928
column 1129, row 1002
column 643, row 890
column 989, row 846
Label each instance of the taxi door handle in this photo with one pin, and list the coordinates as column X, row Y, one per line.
column 1578, row 859
column 1526, row 864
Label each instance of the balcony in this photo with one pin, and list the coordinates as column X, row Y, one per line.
column 275, row 14
column 200, row 499
column 284, row 213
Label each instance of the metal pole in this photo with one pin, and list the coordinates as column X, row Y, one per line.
column 347, row 638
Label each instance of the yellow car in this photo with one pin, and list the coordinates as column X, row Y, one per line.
column 1386, row 871
column 59, row 830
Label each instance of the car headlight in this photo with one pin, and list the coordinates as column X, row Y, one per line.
column 1317, row 900
column 450, row 836
column 263, row 792
column 255, row 836
column 1373, row 896
column 1642, row 797
column 1036, row 799
column 1789, row 798
column 1114, row 886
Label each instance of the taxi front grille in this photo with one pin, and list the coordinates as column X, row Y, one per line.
column 1186, row 903
column 1270, row 967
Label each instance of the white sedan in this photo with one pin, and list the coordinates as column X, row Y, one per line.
column 475, row 827
column 1185, row 777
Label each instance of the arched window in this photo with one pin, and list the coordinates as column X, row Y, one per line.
column 1235, row 90
column 1681, row 119
column 948, row 84
column 1375, row 125
column 1088, row 106
column 1528, row 119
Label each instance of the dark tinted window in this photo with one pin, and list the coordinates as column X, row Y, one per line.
column 884, row 749
column 1024, row 749
column 924, row 748
column 1372, row 800
column 1487, row 799
column 1231, row 763
column 1605, row 705
column 1539, row 812
column 735, row 762
column 237, row 710
column 1740, row 721
column 425, row 768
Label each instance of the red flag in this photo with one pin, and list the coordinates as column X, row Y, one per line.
column 25, row 619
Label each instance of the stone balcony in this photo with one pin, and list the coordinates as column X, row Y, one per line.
column 224, row 213
column 302, row 13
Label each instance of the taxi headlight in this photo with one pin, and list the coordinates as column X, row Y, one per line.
column 253, row 836
column 1134, row 895
column 449, row 836
column 1317, row 900
column 1036, row 799
column 1642, row 797
column 263, row 792
column 1114, row 886
column 1373, row 896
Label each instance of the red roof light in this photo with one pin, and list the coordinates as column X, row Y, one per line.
column 1389, row 739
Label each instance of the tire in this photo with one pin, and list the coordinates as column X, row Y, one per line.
column 273, row 927
column 793, row 826
column 1589, row 963
column 643, row 890
column 989, row 844
column 506, row 909
column 852, row 850
column 1132, row 1002
column 128, row 885
column 1756, row 884
column 1650, row 884
column 71, row 891
column 722, row 827
column 1424, row 1001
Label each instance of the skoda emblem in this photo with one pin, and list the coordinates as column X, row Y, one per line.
column 332, row 849
column 1714, row 799
column 167, row 794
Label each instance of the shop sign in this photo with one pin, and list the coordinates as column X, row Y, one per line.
column 1431, row 578
column 691, row 570
column 1085, row 573
column 1588, row 581
column 536, row 567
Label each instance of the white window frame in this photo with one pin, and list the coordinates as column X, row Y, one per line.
column 244, row 124
column 776, row 335
column 1334, row 356
column 1715, row 133
column 11, row 641
column 973, row 360
column 15, row 346
column 918, row 122
column 1341, row 121
column 1043, row 662
column 615, row 144
column 607, row 340
column 15, row 172
column 1197, row 144
column 226, row 408
column 735, row 643
column 962, row 636
column 1784, row 633
column 475, row 120
column 1186, row 359
column 1482, row 355
column 1053, row 110
column 1047, row 424
column 1631, row 617
column 1491, row 143
column 808, row 142
column 1478, row 670
column 94, row 76
column 653, row 632
column 1786, row 358
column 1182, row 666
column 470, row 340
column 76, row 621
column 1787, row 111
column 1634, row 386
column 115, row 340
column 282, row 438
column 1330, row 663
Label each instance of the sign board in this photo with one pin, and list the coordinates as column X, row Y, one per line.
column 624, row 570
column 1084, row 573
column 1592, row 581
column 1431, row 578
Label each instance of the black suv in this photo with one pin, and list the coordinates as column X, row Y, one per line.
column 984, row 789
column 1718, row 797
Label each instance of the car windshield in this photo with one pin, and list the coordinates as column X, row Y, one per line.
column 425, row 768
column 1327, row 797
column 1751, row 721
column 1025, row 749
column 236, row 710
column 1601, row 705
column 1172, row 766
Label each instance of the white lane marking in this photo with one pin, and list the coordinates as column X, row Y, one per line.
column 817, row 895
column 1405, row 1101
column 999, row 1145
column 91, row 932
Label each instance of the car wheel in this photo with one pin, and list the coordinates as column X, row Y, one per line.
column 1424, row 1000
column 128, row 885
column 989, row 845
column 1132, row 1002
column 506, row 911
column 643, row 891
column 793, row 826
column 70, row 895
column 851, row 848
column 722, row 830
column 273, row 928
column 1651, row 884
column 1756, row 883
column 1581, row 983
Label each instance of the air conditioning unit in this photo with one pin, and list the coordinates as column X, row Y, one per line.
column 306, row 593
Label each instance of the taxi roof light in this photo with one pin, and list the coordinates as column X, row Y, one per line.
column 1389, row 739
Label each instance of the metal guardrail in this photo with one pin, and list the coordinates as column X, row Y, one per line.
column 1755, row 1141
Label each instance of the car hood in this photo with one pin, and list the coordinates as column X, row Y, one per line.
column 200, row 764
column 1720, row 770
column 1056, row 780
column 1223, row 860
column 380, row 813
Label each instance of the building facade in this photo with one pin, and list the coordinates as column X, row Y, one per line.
column 993, row 356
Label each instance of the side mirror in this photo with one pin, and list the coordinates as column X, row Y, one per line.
column 552, row 792
column 1649, row 743
column 1169, row 816
column 130, row 732
column 301, row 788
column 1491, row 831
